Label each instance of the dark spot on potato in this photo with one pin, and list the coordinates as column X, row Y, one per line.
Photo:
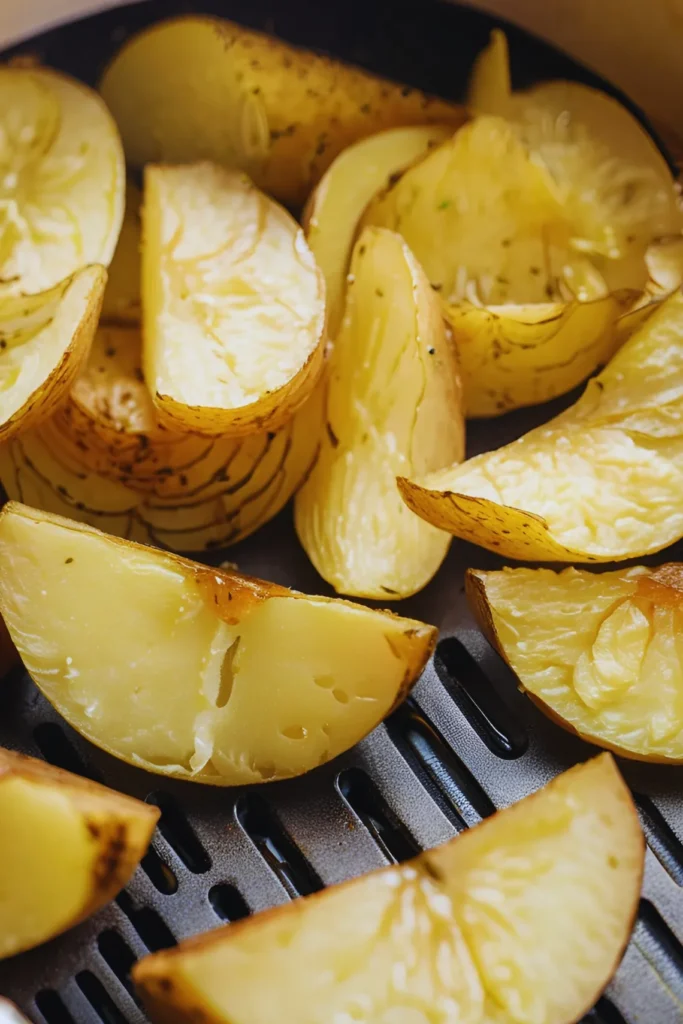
column 92, row 828
column 334, row 440
column 431, row 870
column 365, row 108
column 110, row 352
column 68, row 561
column 379, row 293
column 406, row 90
column 165, row 984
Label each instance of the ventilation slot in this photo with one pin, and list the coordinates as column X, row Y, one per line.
column 275, row 846
column 177, row 832
column 52, row 1008
column 441, row 771
column 228, row 903
column 119, row 957
column 159, row 873
column 56, row 747
column 660, row 947
column 365, row 800
column 100, row 1000
column 604, row 1013
column 664, row 843
column 473, row 693
column 151, row 928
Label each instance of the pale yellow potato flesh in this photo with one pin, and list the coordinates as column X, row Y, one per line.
column 233, row 303
column 62, row 179
column 521, row 920
column 105, row 459
column 601, row 654
column 337, row 204
column 122, row 303
column 209, row 676
column 393, row 401
column 44, row 342
column 601, row 482
column 69, row 845
column 198, row 88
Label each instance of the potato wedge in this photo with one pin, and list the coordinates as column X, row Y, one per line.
column 44, row 341
column 63, row 179
column 234, row 303
column 597, row 652
column 601, row 482
column 337, row 204
column 68, row 846
column 393, row 401
column 522, row 919
column 198, row 88
column 121, row 303
column 209, row 676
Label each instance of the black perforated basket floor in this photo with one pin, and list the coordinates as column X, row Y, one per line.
column 465, row 744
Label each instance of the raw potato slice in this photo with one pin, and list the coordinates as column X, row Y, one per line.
column 105, row 459
column 393, row 402
column 335, row 208
column 63, row 179
column 121, row 303
column 522, row 919
column 68, row 846
column 189, row 671
column 602, row 655
column 601, row 482
column 234, row 303
column 44, row 341
column 198, row 88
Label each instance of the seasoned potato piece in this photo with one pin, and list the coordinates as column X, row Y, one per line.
column 522, row 919
column 63, row 179
column 600, row 654
column 234, row 303
column 121, row 303
column 600, row 483
column 209, row 676
column 68, row 846
column 335, row 207
column 198, row 88
column 393, row 401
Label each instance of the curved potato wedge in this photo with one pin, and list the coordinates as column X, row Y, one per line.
column 44, row 341
column 234, row 303
column 121, row 303
column 337, row 204
column 68, row 846
column 523, row 918
column 393, row 401
column 598, row 653
column 209, row 676
column 63, row 179
column 601, row 482
column 198, row 88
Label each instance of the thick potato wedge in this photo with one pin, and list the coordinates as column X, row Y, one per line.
column 208, row 676
column 393, row 401
column 122, row 303
column 601, row 482
column 44, row 342
column 234, row 303
column 597, row 653
column 68, row 846
column 337, row 204
column 202, row 88
column 63, row 179
column 522, row 919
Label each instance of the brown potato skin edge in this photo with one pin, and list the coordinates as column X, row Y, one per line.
column 475, row 591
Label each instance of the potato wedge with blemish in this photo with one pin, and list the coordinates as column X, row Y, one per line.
column 68, row 847
column 523, row 918
column 601, row 482
column 599, row 653
column 209, row 676
column 393, row 402
column 198, row 88
column 233, row 301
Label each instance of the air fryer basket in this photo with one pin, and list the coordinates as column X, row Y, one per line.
column 466, row 743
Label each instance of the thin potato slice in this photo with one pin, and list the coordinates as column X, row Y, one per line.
column 198, row 88
column 44, row 341
column 63, row 179
column 337, row 204
column 121, row 303
column 68, row 846
column 393, row 402
column 600, row 483
column 522, row 919
column 600, row 654
column 234, row 303
column 209, row 676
